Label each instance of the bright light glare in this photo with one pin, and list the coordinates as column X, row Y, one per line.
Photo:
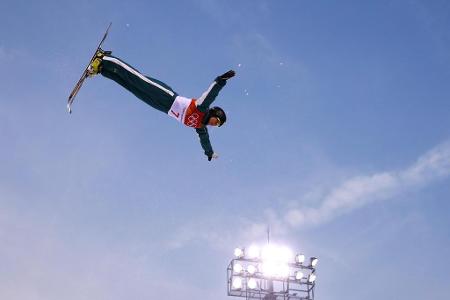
column 238, row 252
column 299, row 258
column 269, row 269
column 313, row 261
column 251, row 269
column 237, row 283
column 298, row 275
column 279, row 254
column 275, row 269
column 237, row 268
column 253, row 252
column 283, row 271
column 252, row 283
column 312, row 277
column 275, row 261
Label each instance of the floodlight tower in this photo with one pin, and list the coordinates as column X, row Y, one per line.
column 271, row 273
column 270, row 295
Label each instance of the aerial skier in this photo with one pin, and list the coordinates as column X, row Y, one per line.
column 195, row 113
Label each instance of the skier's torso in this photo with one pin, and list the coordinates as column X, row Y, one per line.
column 185, row 110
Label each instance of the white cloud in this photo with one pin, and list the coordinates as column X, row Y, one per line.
column 212, row 232
column 353, row 193
column 362, row 190
column 223, row 233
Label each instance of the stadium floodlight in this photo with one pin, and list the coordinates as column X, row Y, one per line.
column 251, row 269
column 299, row 275
column 238, row 252
column 283, row 271
column 237, row 283
column 273, row 269
column 299, row 258
column 252, row 283
column 237, row 268
column 268, row 269
column 253, row 252
column 275, row 261
column 271, row 272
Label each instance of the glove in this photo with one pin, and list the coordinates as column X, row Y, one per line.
column 214, row 155
column 227, row 75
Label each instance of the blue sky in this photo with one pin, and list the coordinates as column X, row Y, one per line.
column 338, row 137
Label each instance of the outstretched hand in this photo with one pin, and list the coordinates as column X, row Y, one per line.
column 214, row 155
column 227, row 75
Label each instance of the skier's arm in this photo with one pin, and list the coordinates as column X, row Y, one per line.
column 204, row 141
column 211, row 93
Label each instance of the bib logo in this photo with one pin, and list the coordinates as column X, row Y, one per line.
column 192, row 120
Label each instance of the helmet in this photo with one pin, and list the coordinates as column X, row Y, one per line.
column 218, row 113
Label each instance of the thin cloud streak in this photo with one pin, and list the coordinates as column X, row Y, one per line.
column 352, row 194
column 362, row 190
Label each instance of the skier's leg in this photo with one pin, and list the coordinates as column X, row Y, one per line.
column 153, row 92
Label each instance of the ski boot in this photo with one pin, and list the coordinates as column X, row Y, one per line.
column 95, row 66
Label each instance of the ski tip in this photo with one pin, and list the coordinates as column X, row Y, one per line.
column 69, row 109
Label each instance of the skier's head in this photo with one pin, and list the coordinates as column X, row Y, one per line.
column 216, row 116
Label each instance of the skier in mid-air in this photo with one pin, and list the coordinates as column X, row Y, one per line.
column 194, row 113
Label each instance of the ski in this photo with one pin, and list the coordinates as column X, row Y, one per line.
column 85, row 73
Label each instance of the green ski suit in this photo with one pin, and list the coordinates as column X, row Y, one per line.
column 157, row 94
